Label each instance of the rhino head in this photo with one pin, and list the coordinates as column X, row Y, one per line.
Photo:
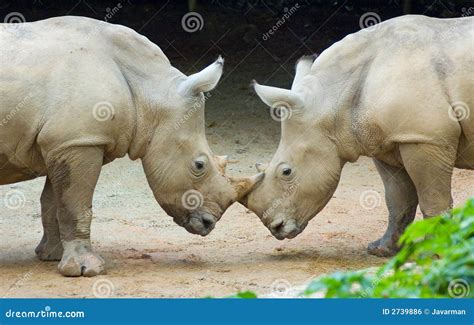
column 186, row 178
column 305, row 170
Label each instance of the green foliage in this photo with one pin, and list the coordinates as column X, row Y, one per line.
column 436, row 260
column 244, row 295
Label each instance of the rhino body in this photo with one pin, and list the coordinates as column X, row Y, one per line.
column 401, row 92
column 77, row 93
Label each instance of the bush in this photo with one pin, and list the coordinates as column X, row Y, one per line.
column 436, row 260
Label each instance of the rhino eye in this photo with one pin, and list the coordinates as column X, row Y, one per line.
column 199, row 165
column 286, row 171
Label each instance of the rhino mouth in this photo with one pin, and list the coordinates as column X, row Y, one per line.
column 281, row 229
column 196, row 222
column 200, row 223
column 286, row 235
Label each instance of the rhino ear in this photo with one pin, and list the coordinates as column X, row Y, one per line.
column 303, row 67
column 276, row 97
column 261, row 167
column 204, row 80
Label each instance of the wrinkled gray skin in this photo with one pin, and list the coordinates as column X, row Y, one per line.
column 390, row 93
column 77, row 93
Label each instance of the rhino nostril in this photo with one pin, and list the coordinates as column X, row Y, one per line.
column 277, row 225
column 207, row 221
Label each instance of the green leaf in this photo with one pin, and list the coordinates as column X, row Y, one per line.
column 245, row 295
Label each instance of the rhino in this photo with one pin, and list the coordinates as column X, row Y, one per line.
column 77, row 93
column 400, row 92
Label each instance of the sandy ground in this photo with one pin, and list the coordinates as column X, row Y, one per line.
column 148, row 255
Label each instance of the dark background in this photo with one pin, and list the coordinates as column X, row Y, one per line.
column 235, row 29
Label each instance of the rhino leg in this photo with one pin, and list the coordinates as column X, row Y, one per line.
column 401, row 199
column 74, row 174
column 430, row 167
column 50, row 247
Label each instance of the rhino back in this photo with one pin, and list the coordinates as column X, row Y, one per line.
column 399, row 80
column 56, row 71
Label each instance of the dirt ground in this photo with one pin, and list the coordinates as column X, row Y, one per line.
column 146, row 253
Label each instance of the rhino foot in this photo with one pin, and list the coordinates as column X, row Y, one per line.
column 382, row 248
column 79, row 260
column 49, row 250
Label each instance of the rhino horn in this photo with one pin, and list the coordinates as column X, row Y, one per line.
column 221, row 163
column 244, row 185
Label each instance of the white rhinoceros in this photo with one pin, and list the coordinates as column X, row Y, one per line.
column 401, row 92
column 77, row 93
